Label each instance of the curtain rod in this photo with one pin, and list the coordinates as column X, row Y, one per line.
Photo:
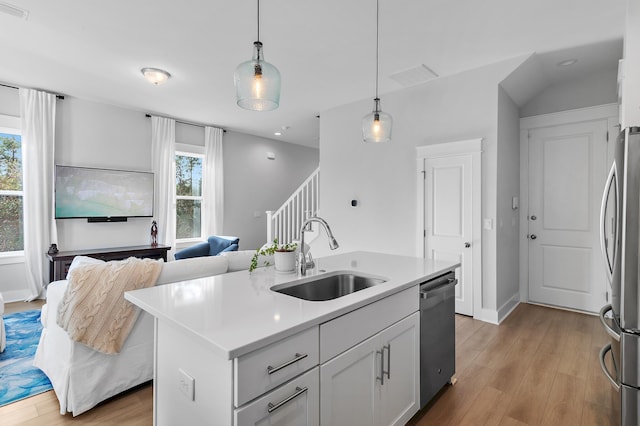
column 189, row 123
column 58, row 96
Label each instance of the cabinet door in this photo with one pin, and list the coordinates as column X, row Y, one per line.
column 348, row 389
column 400, row 393
column 292, row 404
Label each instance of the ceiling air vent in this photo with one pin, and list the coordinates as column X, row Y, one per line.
column 12, row 10
column 416, row 75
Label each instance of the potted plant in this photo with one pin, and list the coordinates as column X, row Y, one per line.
column 284, row 256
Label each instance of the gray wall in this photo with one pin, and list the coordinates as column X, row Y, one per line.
column 91, row 134
column 98, row 135
column 383, row 177
column 508, row 219
column 597, row 88
column 254, row 184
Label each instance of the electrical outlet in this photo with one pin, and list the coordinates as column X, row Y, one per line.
column 186, row 385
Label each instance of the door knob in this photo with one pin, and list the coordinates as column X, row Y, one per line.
column 533, row 217
column 467, row 245
column 533, row 236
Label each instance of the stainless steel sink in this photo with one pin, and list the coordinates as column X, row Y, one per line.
column 328, row 286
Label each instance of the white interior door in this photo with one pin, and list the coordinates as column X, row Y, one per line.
column 449, row 220
column 567, row 173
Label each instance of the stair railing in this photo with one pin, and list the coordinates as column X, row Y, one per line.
column 284, row 223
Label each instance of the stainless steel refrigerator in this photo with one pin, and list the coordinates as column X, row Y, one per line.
column 620, row 243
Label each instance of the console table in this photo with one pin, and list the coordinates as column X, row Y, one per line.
column 59, row 262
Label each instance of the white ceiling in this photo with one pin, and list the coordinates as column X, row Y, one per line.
column 325, row 50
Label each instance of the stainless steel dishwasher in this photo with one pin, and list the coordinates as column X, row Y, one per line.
column 437, row 335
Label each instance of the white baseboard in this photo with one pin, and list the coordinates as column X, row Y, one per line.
column 497, row 316
column 487, row 315
column 508, row 307
column 15, row 296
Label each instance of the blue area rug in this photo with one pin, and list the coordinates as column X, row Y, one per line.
column 19, row 379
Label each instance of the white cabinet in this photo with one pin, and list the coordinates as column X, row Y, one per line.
column 377, row 381
column 266, row 368
column 293, row 404
column 360, row 368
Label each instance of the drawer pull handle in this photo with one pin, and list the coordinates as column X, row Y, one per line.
column 299, row 391
column 388, row 372
column 271, row 370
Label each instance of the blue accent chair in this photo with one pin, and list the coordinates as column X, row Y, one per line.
column 212, row 247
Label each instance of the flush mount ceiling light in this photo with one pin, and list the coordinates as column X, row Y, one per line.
column 567, row 62
column 376, row 126
column 257, row 82
column 155, row 76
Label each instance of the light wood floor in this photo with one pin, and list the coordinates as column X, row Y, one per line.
column 539, row 367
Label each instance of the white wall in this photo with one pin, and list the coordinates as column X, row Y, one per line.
column 598, row 88
column 93, row 134
column 383, row 177
column 508, row 219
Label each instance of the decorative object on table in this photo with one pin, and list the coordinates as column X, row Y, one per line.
column 376, row 126
column 154, row 234
column 257, row 81
column 284, row 256
column 53, row 249
column 20, row 379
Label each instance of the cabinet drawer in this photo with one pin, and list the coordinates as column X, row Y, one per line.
column 296, row 403
column 266, row 368
column 340, row 334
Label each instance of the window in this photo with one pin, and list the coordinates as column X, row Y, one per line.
column 188, row 196
column 11, row 219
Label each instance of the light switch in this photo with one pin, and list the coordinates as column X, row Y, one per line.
column 515, row 203
column 186, row 385
column 488, row 223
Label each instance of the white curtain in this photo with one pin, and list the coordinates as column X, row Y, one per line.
column 163, row 142
column 38, row 124
column 213, row 188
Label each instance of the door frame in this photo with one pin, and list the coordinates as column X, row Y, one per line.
column 607, row 112
column 472, row 147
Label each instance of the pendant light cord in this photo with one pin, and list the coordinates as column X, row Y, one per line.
column 377, row 43
column 258, row 8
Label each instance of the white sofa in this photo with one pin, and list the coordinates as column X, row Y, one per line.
column 82, row 377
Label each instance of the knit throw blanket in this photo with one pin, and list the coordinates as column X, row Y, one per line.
column 93, row 309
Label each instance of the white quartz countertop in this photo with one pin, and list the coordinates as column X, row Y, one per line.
column 236, row 313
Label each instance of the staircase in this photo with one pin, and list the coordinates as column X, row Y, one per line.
column 284, row 223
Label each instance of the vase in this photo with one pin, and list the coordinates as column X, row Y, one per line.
column 285, row 261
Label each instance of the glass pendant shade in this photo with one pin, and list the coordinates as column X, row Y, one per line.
column 376, row 126
column 257, row 83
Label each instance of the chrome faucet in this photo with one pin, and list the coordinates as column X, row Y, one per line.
column 303, row 263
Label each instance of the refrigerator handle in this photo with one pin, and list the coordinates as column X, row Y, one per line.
column 610, row 331
column 603, row 210
column 603, row 353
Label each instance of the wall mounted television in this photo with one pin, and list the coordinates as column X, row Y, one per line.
column 102, row 195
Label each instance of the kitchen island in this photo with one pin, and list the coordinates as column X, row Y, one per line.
column 231, row 351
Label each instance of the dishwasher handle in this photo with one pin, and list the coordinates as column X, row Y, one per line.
column 428, row 293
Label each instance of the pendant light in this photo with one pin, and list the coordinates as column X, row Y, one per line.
column 376, row 126
column 257, row 82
